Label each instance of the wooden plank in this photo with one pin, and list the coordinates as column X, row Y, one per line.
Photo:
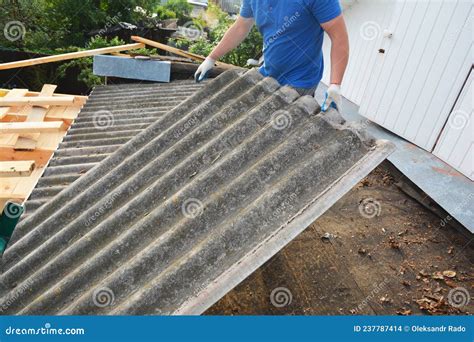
column 38, row 101
column 69, row 113
column 179, row 52
column 12, row 197
column 35, row 114
column 79, row 99
column 55, row 113
column 13, row 94
column 68, row 56
column 40, row 157
column 31, row 127
column 16, row 168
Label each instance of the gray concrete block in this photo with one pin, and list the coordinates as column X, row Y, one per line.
column 130, row 68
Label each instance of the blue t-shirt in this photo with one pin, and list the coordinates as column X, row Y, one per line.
column 293, row 37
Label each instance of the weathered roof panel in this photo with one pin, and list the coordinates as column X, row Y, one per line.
column 187, row 209
column 110, row 120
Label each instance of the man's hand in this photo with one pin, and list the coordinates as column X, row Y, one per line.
column 232, row 38
column 333, row 96
column 203, row 69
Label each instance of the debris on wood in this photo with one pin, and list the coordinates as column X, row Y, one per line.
column 449, row 274
column 404, row 312
column 328, row 236
column 393, row 243
column 32, row 124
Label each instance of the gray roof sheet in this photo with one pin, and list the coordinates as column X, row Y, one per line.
column 191, row 206
column 109, row 120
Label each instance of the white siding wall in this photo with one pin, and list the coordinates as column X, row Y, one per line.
column 425, row 67
column 365, row 20
column 455, row 145
column 411, row 88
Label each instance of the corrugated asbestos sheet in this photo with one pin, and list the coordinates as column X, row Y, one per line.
column 190, row 207
column 109, row 120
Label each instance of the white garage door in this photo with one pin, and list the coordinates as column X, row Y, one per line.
column 409, row 82
column 455, row 145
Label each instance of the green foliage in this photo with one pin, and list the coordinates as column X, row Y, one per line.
column 58, row 23
column 61, row 26
column 249, row 48
column 181, row 8
column 173, row 9
column 85, row 64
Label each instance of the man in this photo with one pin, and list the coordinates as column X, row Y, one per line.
column 293, row 32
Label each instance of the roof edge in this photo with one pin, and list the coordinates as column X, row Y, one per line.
column 263, row 252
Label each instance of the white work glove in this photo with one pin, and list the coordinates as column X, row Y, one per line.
column 333, row 96
column 203, row 69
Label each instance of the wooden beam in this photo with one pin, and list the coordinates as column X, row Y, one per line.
column 16, row 168
column 13, row 94
column 31, row 127
column 37, row 101
column 118, row 54
column 41, row 157
column 68, row 56
column 34, row 114
column 77, row 98
column 179, row 52
column 12, row 197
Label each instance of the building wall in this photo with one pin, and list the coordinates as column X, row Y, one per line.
column 455, row 145
column 408, row 82
column 365, row 20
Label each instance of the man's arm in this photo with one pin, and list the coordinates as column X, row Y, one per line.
column 232, row 38
column 337, row 31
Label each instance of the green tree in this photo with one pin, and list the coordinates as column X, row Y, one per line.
column 251, row 47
